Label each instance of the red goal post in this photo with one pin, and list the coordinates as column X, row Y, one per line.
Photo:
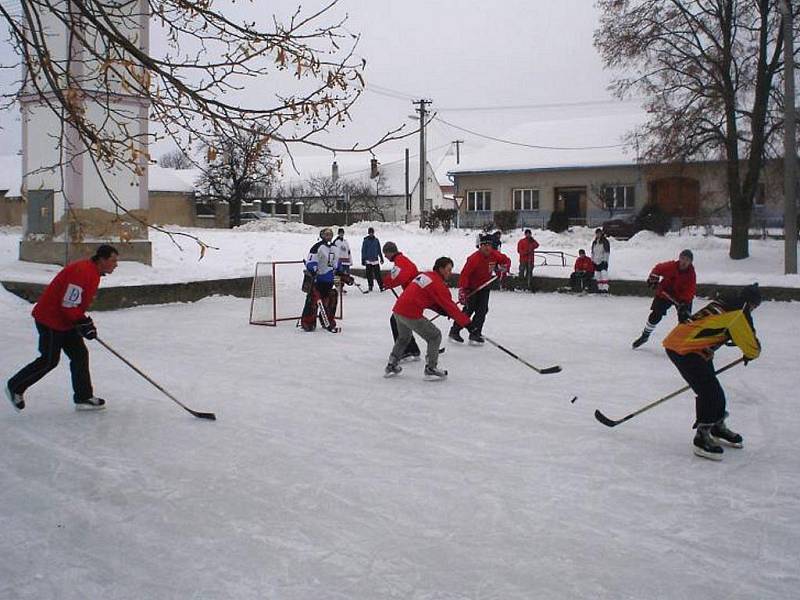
column 276, row 293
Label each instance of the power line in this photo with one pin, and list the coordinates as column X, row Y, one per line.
column 583, row 103
column 537, row 146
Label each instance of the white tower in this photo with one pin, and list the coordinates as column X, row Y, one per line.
column 70, row 193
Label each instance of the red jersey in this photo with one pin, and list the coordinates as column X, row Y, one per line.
column 525, row 249
column 402, row 272
column 681, row 285
column 584, row 263
column 427, row 290
column 64, row 302
column 479, row 269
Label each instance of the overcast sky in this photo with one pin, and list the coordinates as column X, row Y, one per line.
column 462, row 54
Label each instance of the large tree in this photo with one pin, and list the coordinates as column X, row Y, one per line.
column 238, row 165
column 197, row 80
column 711, row 75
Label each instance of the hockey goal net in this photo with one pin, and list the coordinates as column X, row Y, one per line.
column 277, row 295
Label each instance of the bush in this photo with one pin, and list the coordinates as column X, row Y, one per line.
column 652, row 218
column 505, row 220
column 439, row 217
column 559, row 221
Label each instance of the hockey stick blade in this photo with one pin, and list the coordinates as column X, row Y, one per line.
column 202, row 415
column 549, row 370
column 606, row 421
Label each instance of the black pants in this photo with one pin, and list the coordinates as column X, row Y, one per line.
column 699, row 374
column 580, row 281
column 374, row 274
column 412, row 347
column 476, row 309
column 659, row 308
column 51, row 343
column 525, row 270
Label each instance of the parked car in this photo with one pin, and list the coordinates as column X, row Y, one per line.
column 253, row 215
column 622, row 228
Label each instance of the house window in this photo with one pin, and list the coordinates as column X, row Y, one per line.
column 526, row 199
column 620, row 197
column 481, row 200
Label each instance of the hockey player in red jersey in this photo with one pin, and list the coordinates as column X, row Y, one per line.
column 401, row 275
column 480, row 267
column 426, row 291
column 675, row 283
column 62, row 323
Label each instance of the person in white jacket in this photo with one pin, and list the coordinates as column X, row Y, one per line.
column 601, row 251
column 343, row 250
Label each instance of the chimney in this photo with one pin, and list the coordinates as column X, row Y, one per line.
column 373, row 168
column 335, row 171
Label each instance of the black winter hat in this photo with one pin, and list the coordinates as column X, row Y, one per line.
column 687, row 253
column 750, row 294
column 487, row 238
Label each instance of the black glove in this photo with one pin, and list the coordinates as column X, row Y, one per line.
column 86, row 328
column 684, row 312
column 653, row 280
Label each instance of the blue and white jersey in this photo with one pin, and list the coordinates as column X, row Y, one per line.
column 323, row 261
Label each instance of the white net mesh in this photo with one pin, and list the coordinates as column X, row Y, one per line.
column 277, row 293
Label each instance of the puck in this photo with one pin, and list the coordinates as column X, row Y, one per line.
column 573, row 399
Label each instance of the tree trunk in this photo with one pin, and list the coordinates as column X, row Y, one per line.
column 740, row 224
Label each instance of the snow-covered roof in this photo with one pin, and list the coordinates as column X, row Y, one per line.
column 590, row 141
column 160, row 179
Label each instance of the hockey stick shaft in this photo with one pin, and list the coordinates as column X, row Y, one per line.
column 199, row 415
column 612, row 423
column 473, row 292
column 545, row 371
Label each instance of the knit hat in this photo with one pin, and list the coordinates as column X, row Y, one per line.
column 390, row 248
column 486, row 238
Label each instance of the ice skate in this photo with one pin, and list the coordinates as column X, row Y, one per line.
column 434, row 374
column 476, row 339
column 16, row 399
column 640, row 340
column 455, row 336
column 391, row 370
column 721, row 433
column 90, row 404
column 705, row 446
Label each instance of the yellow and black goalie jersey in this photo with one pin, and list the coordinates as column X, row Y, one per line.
column 711, row 327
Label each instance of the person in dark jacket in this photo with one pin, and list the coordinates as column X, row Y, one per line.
column 675, row 283
column 372, row 258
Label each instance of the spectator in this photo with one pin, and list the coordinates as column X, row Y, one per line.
column 601, row 252
column 525, row 248
column 372, row 258
column 582, row 279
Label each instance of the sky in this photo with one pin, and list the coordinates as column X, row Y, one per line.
column 473, row 58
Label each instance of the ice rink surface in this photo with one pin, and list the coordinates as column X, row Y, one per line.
column 322, row 480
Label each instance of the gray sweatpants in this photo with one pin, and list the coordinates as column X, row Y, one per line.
column 422, row 327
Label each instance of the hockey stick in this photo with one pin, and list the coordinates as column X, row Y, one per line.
column 612, row 423
column 545, row 371
column 323, row 314
column 199, row 415
column 472, row 293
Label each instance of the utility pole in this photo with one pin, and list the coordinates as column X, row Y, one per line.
column 458, row 150
column 408, row 193
column 789, row 146
column 423, row 160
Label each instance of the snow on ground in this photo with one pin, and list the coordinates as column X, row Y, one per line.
column 323, row 480
column 239, row 249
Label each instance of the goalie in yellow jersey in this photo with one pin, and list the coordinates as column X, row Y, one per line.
column 691, row 345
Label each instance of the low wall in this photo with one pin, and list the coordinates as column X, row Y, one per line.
column 11, row 211
column 111, row 298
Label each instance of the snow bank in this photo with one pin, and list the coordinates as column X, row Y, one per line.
column 236, row 251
